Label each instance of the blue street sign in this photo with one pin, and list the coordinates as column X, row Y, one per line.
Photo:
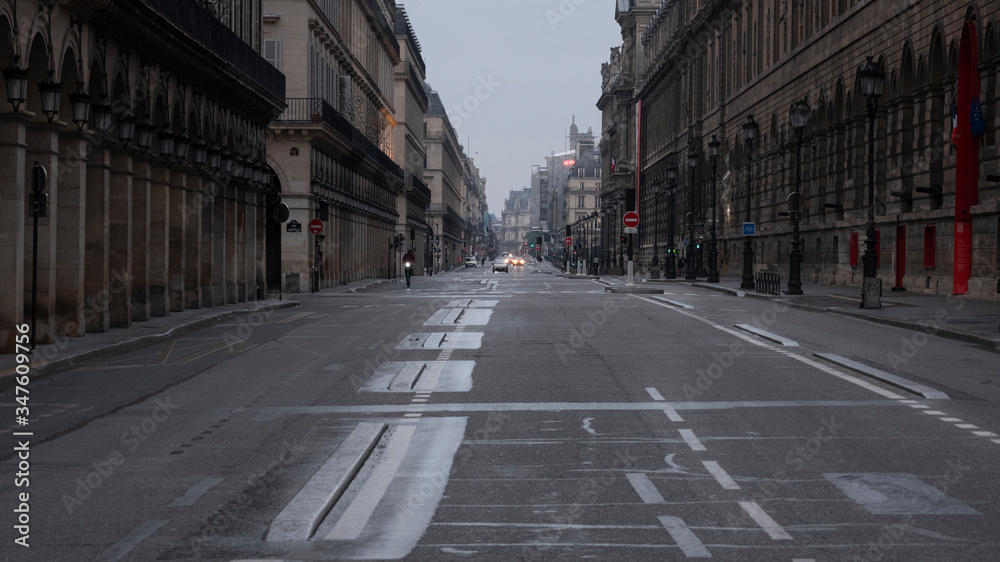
column 687, row 241
column 749, row 228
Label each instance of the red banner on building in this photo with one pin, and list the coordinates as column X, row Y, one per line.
column 967, row 155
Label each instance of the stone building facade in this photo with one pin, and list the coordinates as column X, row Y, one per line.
column 143, row 219
column 332, row 147
column 695, row 70
column 446, row 174
column 516, row 220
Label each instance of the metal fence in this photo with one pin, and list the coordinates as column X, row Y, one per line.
column 768, row 282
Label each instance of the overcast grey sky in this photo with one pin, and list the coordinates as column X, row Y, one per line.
column 512, row 73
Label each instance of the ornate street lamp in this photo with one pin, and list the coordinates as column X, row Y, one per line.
column 51, row 93
column 126, row 129
column 713, row 245
column 671, row 261
column 79, row 101
column 226, row 162
column 199, row 153
column 16, row 79
column 144, row 135
column 750, row 130
column 102, row 115
column 166, row 138
column 182, row 144
column 872, row 79
column 799, row 116
column 214, row 158
column 693, row 168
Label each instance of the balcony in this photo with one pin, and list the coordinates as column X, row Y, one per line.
column 210, row 32
column 317, row 110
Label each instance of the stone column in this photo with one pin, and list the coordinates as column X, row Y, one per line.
column 207, row 256
column 141, row 190
column 13, row 205
column 71, row 235
column 159, row 249
column 251, row 245
column 96, row 252
column 42, row 147
column 230, row 236
column 240, row 245
column 177, row 238
column 260, row 245
column 120, row 238
column 192, row 246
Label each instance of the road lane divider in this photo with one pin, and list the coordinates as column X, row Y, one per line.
column 692, row 441
column 671, row 413
column 689, row 543
column 300, row 518
column 132, row 540
column 194, row 492
column 721, row 476
column 767, row 335
column 654, row 394
column 770, row 526
column 916, row 388
column 645, row 488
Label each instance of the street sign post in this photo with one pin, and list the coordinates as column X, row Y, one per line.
column 631, row 230
column 568, row 241
column 631, row 219
column 749, row 228
column 316, row 226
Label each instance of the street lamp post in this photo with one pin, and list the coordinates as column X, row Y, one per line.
column 872, row 79
column 798, row 116
column 657, row 188
column 693, row 168
column 750, row 130
column 671, row 261
column 713, row 245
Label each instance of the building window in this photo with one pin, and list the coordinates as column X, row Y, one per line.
column 581, row 200
column 929, row 235
column 579, row 172
column 272, row 52
column 854, row 249
column 597, row 172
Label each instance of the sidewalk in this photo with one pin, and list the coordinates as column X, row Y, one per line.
column 66, row 351
column 956, row 317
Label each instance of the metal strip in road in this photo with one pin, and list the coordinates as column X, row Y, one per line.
column 769, row 525
column 572, row 406
column 690, row 544
column 299, row 519
column 132, row 540
column 356, row 516
column 645, row 488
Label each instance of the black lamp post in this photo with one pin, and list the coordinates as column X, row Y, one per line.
column 671, row 261
column 621, row 243
column 79, row 101
column 872, row 79
column 693, row 168
column 657, row 188
column 798, row 116
column 51, row 93
column 750, row 130
column 126, row 129
column 713, row 244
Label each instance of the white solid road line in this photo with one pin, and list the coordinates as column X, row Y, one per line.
column 122, row 547
column 645, row 488
column 691, row 440
column 721, row 475
column 299, row 519
column 356, row 516
column 195, row 492
column 690, row 545
column 655, row 394
column 769, row 525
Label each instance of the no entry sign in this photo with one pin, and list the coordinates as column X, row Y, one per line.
column 631, row 219
column 568, row 240
column 315, row 226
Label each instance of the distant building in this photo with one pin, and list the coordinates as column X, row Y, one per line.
column 516, row 219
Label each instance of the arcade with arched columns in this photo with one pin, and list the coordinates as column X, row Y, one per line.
column 153, row 144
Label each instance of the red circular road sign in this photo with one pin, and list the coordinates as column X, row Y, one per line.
column 315, row 226
column 631, row 219
column 568, row 240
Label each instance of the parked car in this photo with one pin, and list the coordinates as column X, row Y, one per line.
column 500, row 264
column 470, row 261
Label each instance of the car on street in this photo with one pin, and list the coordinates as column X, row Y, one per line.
column 500, row 264
column 517, row 261
column 471, row 261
